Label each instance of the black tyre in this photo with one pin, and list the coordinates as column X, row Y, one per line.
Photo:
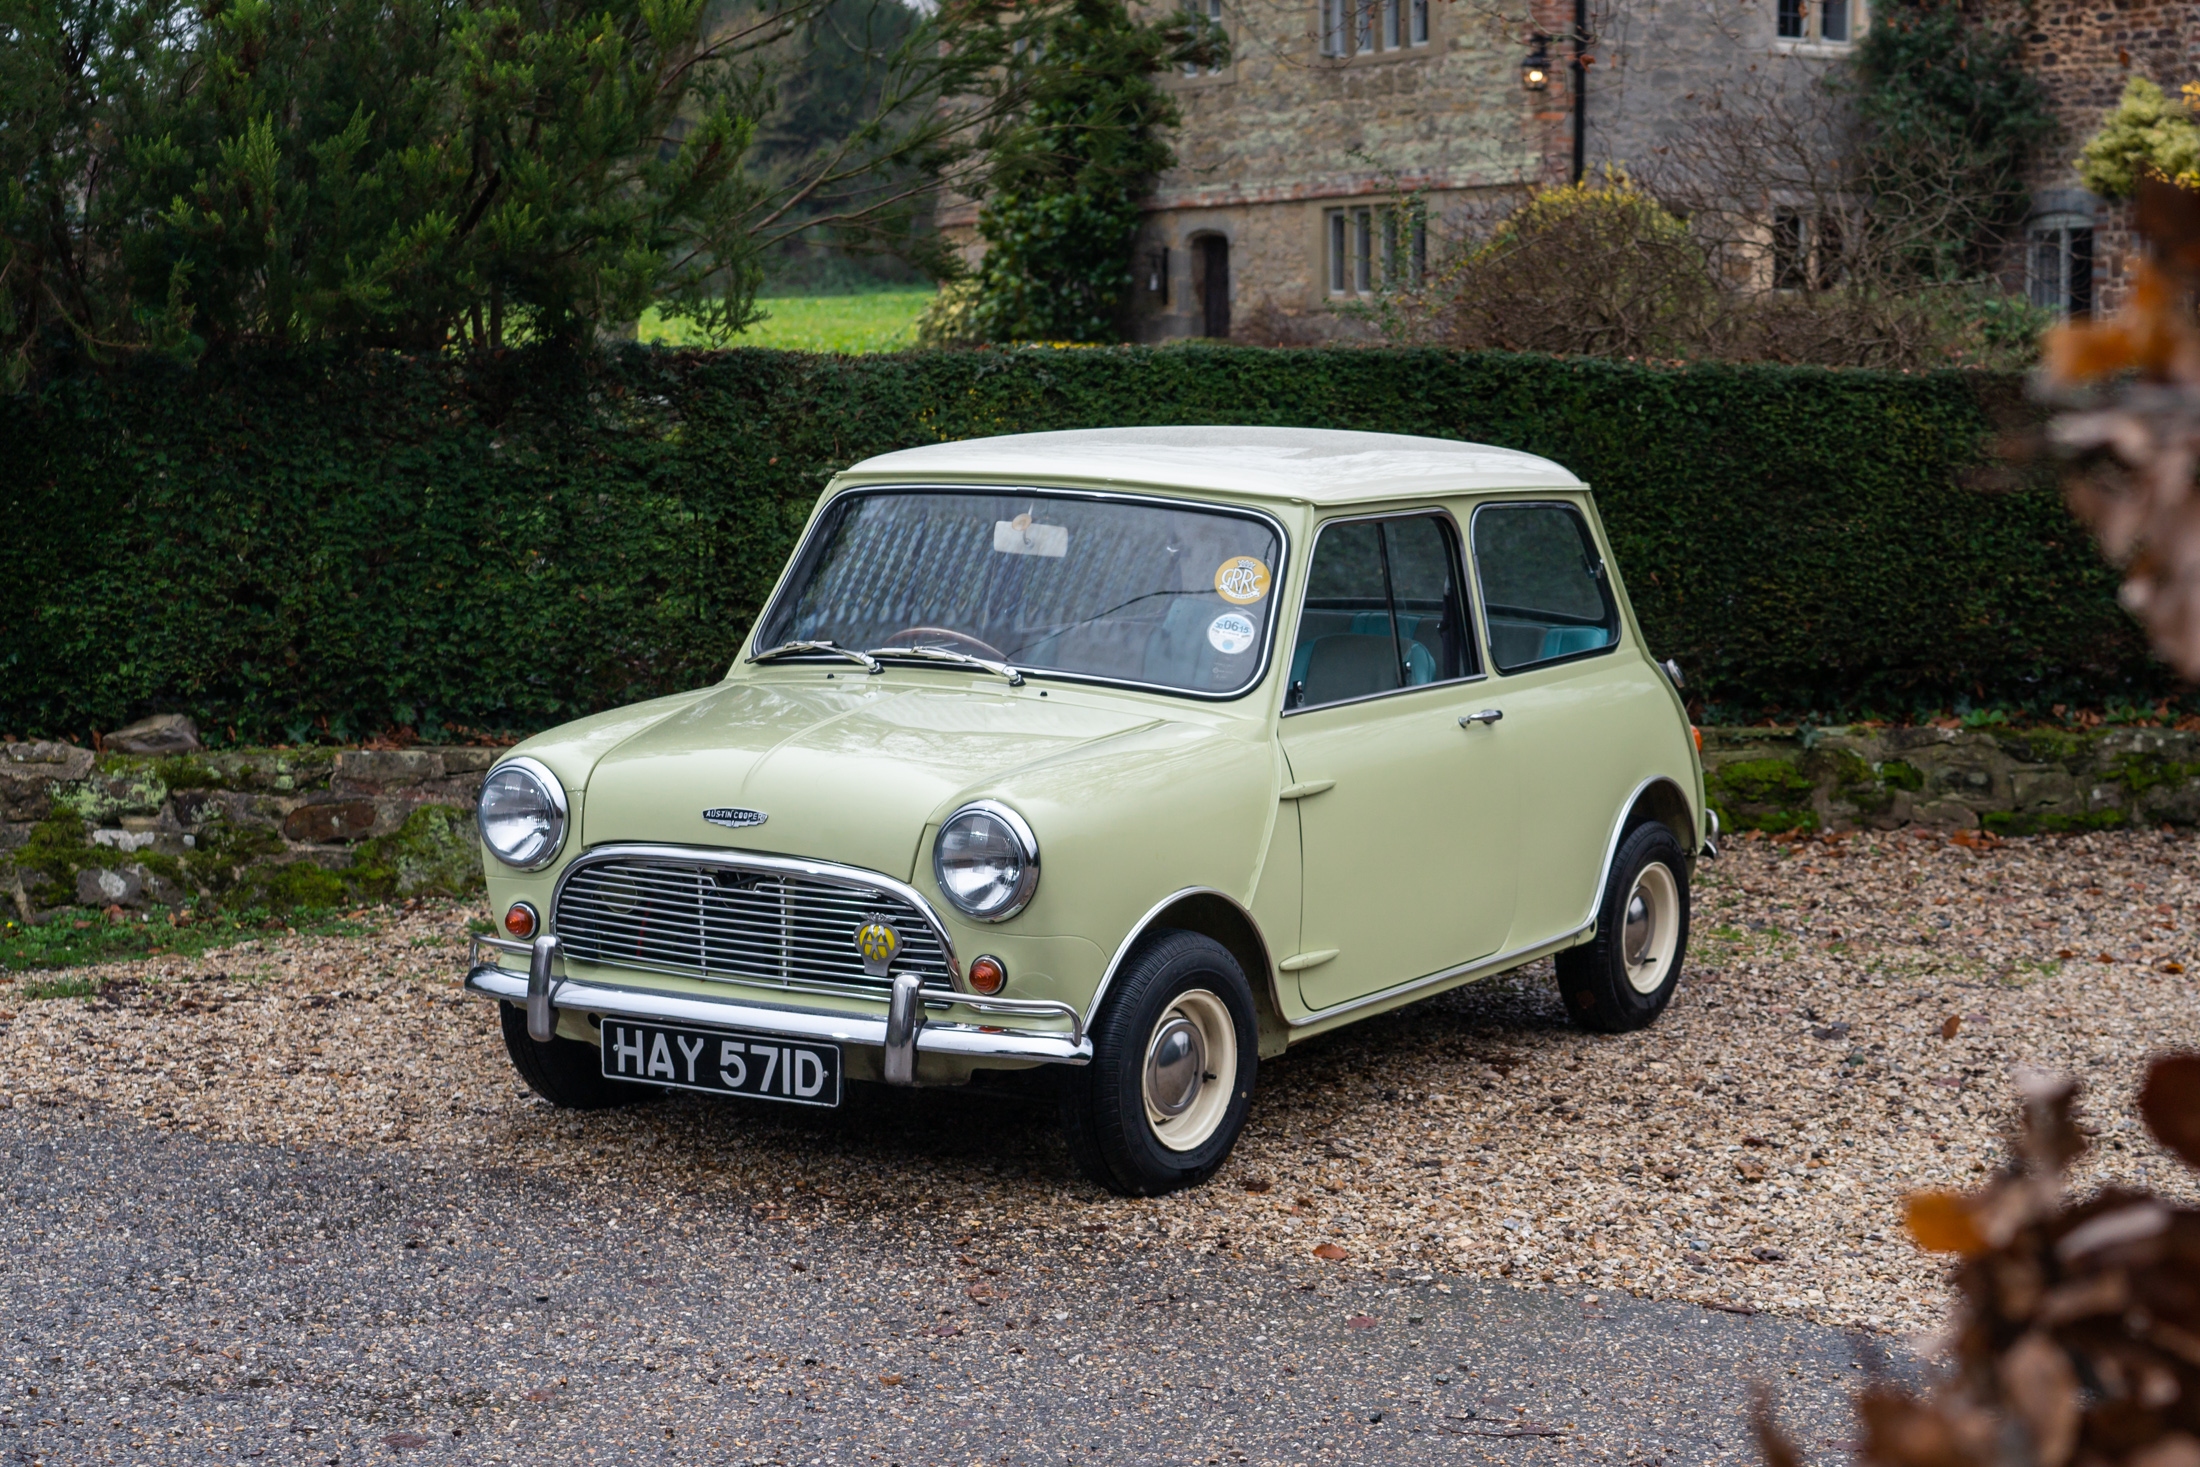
column 565, row 1071
column 1625, row 977
column 1174, row 1056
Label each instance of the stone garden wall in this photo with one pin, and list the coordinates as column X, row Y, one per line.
column 2009, row 782
column 323, row 826
column 271, row 827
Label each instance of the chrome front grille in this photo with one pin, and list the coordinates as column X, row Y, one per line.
column 711, row 919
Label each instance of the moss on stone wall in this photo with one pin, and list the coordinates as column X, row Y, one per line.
column 1772, row 795
column 434, row 853
column 56, row 851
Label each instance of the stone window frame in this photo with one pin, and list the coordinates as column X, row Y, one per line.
column 1364, row 249
column 1191, row 73
column 1395, row 30
column 1813, row 41
column 2063, row 228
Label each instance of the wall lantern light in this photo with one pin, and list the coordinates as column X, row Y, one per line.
column 1535, row 72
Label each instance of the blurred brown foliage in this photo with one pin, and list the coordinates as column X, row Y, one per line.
column 2136, row 442
column 2077, row 1338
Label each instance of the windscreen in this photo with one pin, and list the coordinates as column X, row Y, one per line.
column 1125, row 591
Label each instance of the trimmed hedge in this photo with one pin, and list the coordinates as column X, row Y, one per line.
column 322, row 546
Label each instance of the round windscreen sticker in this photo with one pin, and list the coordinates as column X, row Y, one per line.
column 1241, row 580
column 1230, row 633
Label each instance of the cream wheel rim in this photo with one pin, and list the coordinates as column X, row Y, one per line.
column 1190, row 1070
column 1650, row 927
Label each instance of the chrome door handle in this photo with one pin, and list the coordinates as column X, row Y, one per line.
column 1487, row 715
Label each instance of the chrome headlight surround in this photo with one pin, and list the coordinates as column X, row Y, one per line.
column 523, row 790
column 1005, row 831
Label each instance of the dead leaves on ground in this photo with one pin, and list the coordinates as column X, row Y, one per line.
column 2077, row 1338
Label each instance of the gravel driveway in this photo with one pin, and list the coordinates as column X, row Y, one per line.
column 1844, row 1036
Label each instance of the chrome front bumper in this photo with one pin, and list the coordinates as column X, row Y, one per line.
column 917, row 1018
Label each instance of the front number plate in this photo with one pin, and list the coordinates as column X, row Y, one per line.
column 726, row 1064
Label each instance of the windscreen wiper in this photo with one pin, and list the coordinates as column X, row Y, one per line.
column 948, row 654
column 829, row 649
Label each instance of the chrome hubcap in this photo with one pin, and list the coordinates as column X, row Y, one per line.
column 1635, row 936
column 1650, row 928
column 1175, row 1066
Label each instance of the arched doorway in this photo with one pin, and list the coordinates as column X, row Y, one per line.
column 1211, row 283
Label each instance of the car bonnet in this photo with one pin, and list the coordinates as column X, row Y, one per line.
column 848, row 771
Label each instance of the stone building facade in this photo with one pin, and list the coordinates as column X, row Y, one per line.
column 1281, row 213
column 2079, row 248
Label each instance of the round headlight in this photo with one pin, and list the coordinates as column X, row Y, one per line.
column 522, row 814
column 986, row 861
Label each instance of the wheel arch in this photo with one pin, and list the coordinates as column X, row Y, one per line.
column 1657, row 799
column 1217, row 915
column 1662, row 800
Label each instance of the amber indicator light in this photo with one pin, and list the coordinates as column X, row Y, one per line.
column 520, row 921
column 987, row 975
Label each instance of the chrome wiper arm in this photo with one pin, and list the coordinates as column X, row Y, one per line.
column 829, row 649
column 930, row 653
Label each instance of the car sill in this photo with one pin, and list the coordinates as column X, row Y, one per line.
column 1401, row 992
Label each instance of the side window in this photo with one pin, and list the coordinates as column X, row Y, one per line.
column 1543, row 589
column 1383, row 612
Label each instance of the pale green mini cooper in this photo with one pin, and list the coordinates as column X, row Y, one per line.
column 1142, row 753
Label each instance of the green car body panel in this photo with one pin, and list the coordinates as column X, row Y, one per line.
column 1352, row 857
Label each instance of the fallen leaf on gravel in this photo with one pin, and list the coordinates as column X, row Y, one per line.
column 398, row 1441
column 2173, row 968
column 889, row 1380
column 2170, row 1104
column 952, row 1327
column 541, row 1393
column 1941, row 1222
column 1331, row 1252
column 1360, row 1321
column 1950, row 1025
column 1258, row 1184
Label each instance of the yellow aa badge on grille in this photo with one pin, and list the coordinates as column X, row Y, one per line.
column 878, row 942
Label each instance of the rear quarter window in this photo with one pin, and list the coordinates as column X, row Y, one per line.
column 1545, row 596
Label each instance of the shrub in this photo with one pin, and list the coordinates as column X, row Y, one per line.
column 309, row 547
column 2147, row 135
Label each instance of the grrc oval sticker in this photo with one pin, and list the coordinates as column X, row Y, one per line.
column 1230, row 633
column 1241, row 580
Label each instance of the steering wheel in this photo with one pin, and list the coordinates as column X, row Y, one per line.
column 917, row 636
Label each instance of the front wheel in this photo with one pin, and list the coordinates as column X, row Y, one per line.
column 1171, row 1078
column 564, row 1072
column 1625, row 976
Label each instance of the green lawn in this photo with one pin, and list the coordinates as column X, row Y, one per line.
column 884, row 321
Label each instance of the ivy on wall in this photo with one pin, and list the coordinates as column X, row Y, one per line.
column 302, row 546
column 1064, row 185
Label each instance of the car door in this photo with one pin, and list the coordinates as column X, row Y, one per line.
column 1575, row 697
column 1403, row 818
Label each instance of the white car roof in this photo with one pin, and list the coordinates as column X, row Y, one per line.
column 1317, row 465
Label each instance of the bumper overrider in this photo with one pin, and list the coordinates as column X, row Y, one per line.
column 916, row 1017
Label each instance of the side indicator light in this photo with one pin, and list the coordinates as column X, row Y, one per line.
column 987, row 975
column 520, row 921
column 1696, row 734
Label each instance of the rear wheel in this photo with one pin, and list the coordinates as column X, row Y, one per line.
column 1624, row 978
column 565, row 1072
column 1171, row 1078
